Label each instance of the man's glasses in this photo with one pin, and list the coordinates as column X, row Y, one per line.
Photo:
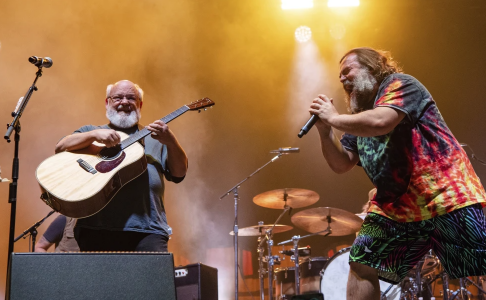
column 118, row 98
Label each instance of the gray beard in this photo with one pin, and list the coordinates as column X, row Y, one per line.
column 122, row 119
column 362, row 96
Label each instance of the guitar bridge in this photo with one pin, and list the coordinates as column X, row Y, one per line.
column 87, row 167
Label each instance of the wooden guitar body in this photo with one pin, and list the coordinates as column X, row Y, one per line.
column 80, row 183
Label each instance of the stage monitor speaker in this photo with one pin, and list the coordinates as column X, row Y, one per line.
column 196, row 282
column 92, row 275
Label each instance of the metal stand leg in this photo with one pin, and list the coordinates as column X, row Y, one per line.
column 445, row 285
column 270, row 263
column 296, row 262
column 261, row 271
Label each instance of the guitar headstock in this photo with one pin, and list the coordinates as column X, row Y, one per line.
column 201, row 103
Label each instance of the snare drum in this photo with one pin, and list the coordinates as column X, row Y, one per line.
column 335, row 279
column 284, row 283
column 310, row 274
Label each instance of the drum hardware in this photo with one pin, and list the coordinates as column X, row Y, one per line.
column 286, row 199
column 236, row 197
column 264, row 233
column 270, row 259
column 303, row 251
column 295, row 240
column 462, row 291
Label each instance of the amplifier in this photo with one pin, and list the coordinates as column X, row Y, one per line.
column 196, row 282
column 92, row 275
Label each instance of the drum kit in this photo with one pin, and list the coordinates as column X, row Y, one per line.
column 329, row 276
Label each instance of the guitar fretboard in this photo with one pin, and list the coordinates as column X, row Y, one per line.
column 144, row 132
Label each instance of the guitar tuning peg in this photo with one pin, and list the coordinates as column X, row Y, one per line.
column 205, row 109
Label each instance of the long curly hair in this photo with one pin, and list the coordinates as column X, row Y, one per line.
column 379, row 62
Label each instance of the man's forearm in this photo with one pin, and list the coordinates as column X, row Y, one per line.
column 75, row 141
column 336, row 156
column 375, row 122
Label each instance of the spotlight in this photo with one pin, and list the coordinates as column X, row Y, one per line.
column 342, row 3
column 303, row 34
column 297, row 4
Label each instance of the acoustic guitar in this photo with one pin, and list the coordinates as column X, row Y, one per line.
column 80, row 183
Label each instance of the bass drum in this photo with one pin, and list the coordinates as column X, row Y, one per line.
column 335, row 279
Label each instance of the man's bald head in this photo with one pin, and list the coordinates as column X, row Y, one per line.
column 127, row 84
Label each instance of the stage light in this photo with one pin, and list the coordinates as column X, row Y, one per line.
column 303, row 34
column 342, row 3
column 297, row 4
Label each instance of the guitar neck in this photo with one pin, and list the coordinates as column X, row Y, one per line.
column 144, row 132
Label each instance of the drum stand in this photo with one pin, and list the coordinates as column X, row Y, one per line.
column 295, row 239
column 271, row 259
column 261, row 270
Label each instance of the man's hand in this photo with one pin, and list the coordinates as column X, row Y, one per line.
column 109, row 137
column 161, row 132
column 323, row 107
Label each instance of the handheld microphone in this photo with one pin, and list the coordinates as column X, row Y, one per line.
column 313, row 119
column 286, row 150
column 40, row 62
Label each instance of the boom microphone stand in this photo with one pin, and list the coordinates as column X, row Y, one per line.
column 234, row 190
column 33, row 231
column 15, row 125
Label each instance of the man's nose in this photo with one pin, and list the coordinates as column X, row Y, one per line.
column 342, row 78
column 125, row 101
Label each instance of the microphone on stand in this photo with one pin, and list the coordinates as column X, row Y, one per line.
column 313, row 119
column 40, row 62
column 286, row 150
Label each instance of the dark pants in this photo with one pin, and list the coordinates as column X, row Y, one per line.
column 107, row 240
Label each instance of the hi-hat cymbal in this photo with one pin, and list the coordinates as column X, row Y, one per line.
column 316, row 219
column 295, row 198
column 260, row 230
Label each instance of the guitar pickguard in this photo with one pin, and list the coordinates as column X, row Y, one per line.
column 106, row 166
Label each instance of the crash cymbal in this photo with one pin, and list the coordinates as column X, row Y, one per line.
column 316, row 219
column 295, row 198
column 260, row 230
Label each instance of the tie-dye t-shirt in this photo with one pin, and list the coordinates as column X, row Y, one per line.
column 419, row 169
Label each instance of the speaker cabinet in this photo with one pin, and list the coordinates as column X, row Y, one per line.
column 94, row 275
column 196, row 282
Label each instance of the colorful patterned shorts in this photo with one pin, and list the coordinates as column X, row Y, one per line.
column 394, row 248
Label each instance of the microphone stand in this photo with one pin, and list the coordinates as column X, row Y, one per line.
column 12, row 198
column 33, row 230
column 234, row 190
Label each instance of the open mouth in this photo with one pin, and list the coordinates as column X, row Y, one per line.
column 348, row 88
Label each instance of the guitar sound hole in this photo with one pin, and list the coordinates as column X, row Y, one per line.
column 110, row 153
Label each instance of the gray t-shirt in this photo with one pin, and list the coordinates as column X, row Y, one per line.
column 139, row 205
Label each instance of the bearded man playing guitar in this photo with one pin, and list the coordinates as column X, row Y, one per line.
column 135, row 219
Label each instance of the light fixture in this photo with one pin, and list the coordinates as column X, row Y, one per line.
column 303, row 34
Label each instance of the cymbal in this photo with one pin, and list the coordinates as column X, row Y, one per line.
column 260, row 230
column 315, row 219
column 295, row 198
